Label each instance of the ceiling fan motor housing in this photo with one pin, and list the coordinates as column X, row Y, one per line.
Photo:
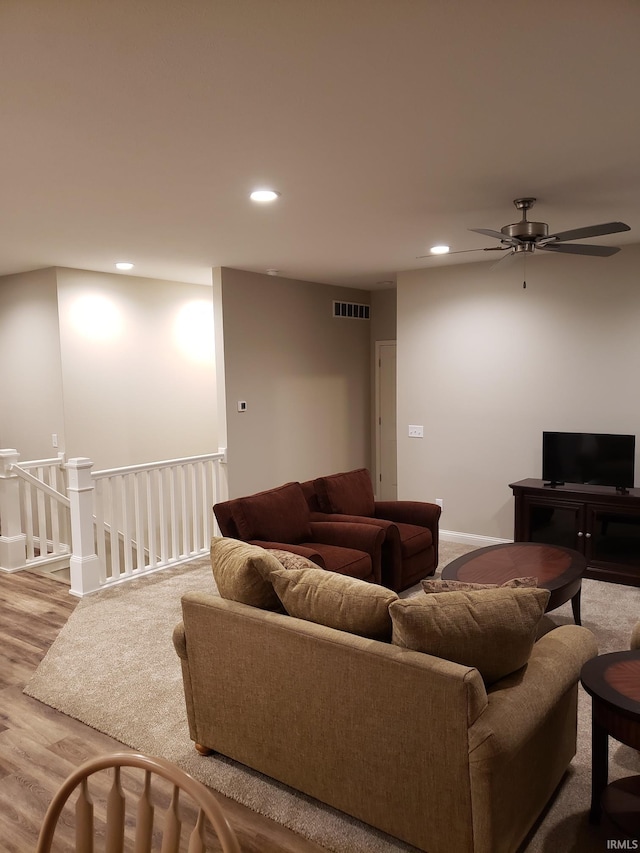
column 527, row 231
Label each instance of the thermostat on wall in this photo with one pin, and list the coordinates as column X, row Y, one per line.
column 242, row 405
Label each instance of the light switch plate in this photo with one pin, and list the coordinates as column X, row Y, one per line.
column 416, row 431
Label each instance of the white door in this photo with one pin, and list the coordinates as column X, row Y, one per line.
column 386, row 435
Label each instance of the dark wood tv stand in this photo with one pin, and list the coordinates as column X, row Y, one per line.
column 598, row 521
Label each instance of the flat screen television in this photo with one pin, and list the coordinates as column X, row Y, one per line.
column 598, row 459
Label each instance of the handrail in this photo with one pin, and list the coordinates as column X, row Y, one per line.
column 154, row 466
column 39, row 484
column 44, row 463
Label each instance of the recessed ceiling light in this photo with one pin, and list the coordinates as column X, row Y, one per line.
column 272, row 272
column 439, row 250
column 264, row 195
column 124, row 265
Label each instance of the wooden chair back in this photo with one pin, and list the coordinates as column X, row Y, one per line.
column 184, row 826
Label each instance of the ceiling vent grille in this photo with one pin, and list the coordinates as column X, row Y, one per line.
column 351, row 310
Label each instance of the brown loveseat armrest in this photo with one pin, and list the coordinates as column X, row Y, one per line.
column 302, row 550
column 382, row 523
column 409, row 512
column 421, row 513
column 362, row 537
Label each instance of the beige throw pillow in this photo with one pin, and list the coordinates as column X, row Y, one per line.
column 490, row 629
column 289, row 560
column 336, row 601
column 430, row 586
column 241, row 572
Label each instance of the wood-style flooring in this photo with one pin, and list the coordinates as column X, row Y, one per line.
column 39, row 746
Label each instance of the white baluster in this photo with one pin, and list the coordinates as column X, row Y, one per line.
column 184, row 511
column 41, row 505
column 163, row 522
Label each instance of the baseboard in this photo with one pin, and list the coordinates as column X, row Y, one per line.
column 471, row 539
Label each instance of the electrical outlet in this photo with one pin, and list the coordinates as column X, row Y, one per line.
column 416, row 431
column 440, row 503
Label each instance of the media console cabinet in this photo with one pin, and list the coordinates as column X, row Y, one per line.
column 598, row 521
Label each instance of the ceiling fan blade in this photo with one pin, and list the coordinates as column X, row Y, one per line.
column 464, row 251
column 581, row 249
column 590, row 231
column 512, row 241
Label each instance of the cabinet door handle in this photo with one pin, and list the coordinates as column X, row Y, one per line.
column 580, row 533
column 587, row 536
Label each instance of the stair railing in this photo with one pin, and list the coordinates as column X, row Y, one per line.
column 35, row 528
column 127, row 522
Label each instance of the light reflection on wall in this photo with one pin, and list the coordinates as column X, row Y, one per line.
column 193, row 331
column 97, row 317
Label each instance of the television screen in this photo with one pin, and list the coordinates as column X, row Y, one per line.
column 598, row 459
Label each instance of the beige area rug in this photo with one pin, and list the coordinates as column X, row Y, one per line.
column 113, row 667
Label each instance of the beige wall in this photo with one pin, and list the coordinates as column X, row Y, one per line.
column 383, row 315
column 31, row 410
column 486, row 366
column 138, row 368
column 304, row 375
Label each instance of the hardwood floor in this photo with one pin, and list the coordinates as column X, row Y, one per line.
column 39, row 746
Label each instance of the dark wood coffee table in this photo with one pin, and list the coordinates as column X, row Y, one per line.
column 557, row 569
column 613, row 682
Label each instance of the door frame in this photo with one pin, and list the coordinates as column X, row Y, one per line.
column 377, row 412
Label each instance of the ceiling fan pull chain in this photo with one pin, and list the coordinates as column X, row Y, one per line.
column 524, row 270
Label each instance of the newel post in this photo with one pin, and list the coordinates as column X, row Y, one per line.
column 13, row 552
column 84, row 562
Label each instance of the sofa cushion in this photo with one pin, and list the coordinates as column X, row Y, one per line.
column 336, row 601
column 241, row 572
column 431, row 586
column 278, row 515
column 491, row 629
column 349, row 493
column 289, row 560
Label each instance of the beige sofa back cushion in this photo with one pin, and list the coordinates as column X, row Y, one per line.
column 241, row 572
column 492, row 629
column 430, row 586
column 336, row 601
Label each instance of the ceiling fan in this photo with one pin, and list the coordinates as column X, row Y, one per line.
column 526, row 237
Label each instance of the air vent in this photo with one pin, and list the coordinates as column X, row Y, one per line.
column 351, row 310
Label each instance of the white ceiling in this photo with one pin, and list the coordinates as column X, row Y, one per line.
column 135, row 130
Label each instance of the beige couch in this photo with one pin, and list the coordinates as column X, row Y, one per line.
column 410, row 743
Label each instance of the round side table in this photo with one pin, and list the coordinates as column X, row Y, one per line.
column 613, row 682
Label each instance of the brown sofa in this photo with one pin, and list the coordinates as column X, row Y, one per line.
column 419, row 746
column 280, row 518
column 410, row 547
